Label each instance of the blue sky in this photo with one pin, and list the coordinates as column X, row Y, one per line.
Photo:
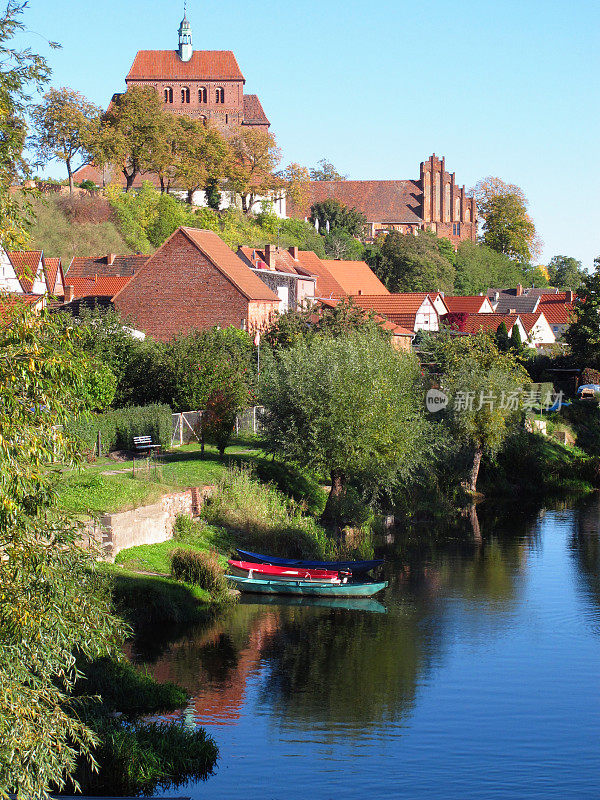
column 500, row 88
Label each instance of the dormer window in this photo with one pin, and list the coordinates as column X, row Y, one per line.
column 220, row 95
column 168, row 95
column 185, row 95
column 202, row 95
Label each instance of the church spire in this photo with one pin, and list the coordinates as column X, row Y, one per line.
column 185, row 37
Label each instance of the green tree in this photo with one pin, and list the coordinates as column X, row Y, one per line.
column 479, row 268
column 202, row 155
column 480, row 380
column 565, row 272
column 64, row 123
column 133, row 130
column 325, row 171
column 507, row 227
column 502, row 338
column 21, row 73
column 341, row 244
column 213, row 195
column 583, row 334
column 334, row 217
column 349, row 407
column 254, row 157
column 54, row 604
column 170, row 215
column 414, row 264
column 516, row 342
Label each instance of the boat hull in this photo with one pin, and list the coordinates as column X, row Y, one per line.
column 306, row 588
column 340, row 566
column 271, row 572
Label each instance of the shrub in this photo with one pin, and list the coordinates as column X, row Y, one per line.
column 590, row 375
column 118, row 427
column 219, row 419
column 183, row 527
column 201, row 569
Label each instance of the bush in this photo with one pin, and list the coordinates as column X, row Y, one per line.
column 118, row 427
column 183, row 527
column 590, row 375
column 201, row 569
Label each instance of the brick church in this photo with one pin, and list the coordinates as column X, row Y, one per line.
column 433, row 202
column 207, row 85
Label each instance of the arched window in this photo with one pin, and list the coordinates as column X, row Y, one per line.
column 202, row 95
column 203, row 120
column 468, row 215
column 220, row 95
column 168, row 95
column 185, row 95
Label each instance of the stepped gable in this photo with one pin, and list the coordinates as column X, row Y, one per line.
column 155, row 65
column 111, row 264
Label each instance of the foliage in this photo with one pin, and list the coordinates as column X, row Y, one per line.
column 64, row 123
column 99, row 387
column 507, row 227
column 334, row 217
column 478, row 267
column 296, row 184
column 415, row 263
column 136, row 213
column 255, row 156
column 202, row 569
column 502, row 338
column 21, row 72
column 348, row 406
column 202, row 155
column 54, row 603
column 341, row 244
column 565, row 272
column 516, row 342
column 325, row 171
column 118, row 427
column 583, row 334
column 589, row 375
column 219, row 417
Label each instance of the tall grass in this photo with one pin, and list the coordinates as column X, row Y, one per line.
column 201, row 569
column 261, row 518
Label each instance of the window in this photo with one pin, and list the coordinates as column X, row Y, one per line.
column 220, row 95
column 226, row 119
column 168, row 95
column 202, row 95
column 185, row 95
column 456, row 228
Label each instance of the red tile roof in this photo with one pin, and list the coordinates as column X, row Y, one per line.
column 253, row 111
column 470, row 304
column 102, row 286
column 52, row 266
column 25, row 264
column 229, row 264
column 379, row 201
column 84, row 266
column 153, row 65
column 399, row 308
column 282, row 259
column 327, row 286
column 475, row 323
column 355, row 277
column 395, row 330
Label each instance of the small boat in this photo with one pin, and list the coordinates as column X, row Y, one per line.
column 356, row 567
column 251, row 569
column 309, row 588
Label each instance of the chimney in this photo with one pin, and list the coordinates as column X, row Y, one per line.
column 294, row 253
column 110, row 258
column 270, row 256
column 69, row 294
column 569, row 296
column 519, row 290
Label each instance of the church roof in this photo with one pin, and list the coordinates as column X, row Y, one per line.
column 203, row 65
column 379, row 201
column 253, row 111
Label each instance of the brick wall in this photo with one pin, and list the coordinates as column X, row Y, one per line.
column 179, row 290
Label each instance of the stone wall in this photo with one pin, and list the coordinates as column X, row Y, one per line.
column 149, row 524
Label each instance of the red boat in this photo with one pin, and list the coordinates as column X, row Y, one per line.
column 249, row 569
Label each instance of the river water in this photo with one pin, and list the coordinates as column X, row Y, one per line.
column 475, row 675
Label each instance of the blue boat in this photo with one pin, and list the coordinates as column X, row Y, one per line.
column 355, row 567
column 308, row 588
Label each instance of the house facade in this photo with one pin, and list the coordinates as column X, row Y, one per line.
column 414, row 311
column 282, row 272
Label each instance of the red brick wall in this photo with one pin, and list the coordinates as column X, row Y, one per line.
column 179, row 290
column 227, row 114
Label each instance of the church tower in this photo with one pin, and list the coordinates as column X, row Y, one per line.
column 185, row 39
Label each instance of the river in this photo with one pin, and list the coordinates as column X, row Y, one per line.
column 474, row 675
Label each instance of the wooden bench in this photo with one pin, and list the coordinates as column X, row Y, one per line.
column 143, row 444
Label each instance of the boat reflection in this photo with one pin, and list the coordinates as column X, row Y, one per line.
column 345, row 603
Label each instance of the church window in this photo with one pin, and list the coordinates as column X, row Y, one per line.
column 467, row 215
column 185, row 95
column 456, row 229
column 447, row 203
column 168, row 95
column 202, row 95
column 220, row 95
column 226, row 119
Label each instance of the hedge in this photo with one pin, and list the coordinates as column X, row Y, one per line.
column 118, row 427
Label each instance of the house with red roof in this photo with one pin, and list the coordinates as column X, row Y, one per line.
column 22, row 272
column 282, row 271
column 401, row 338
column 194, row 281
column 558, row 311
column 414, row 311
column 469, row 304
column 355, row 277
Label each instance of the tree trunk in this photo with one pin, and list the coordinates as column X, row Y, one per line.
column 338, row 490
column 475, row 469
column 70, row 174
column 190, row 196
column 475, row 523
column 129, row 178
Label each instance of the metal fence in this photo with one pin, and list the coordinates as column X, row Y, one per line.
column 187, row 426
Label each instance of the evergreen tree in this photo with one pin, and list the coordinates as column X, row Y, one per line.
column 516, row 343
column 502, row 338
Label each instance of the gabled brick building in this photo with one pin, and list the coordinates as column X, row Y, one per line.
column 434, row 201
column 194, row 281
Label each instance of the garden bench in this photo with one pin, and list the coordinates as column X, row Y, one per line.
column 143, row 444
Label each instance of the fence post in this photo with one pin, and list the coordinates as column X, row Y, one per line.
column 99, row 444
column 254, row 420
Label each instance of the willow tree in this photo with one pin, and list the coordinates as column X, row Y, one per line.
column 350, row 407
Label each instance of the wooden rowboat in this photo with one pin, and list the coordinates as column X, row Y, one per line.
column 309, row 588
column 355, row 567
column 250, row 569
